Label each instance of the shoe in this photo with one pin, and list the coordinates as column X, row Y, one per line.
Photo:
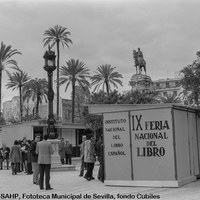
column 80, row 175
column 34, row 182
column 41, row 188
column 49, row 188
column 92, row 178
column 89, row 179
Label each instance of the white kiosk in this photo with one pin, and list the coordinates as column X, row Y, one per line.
column 150, row 145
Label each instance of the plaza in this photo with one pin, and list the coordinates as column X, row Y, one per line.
column 68, row 185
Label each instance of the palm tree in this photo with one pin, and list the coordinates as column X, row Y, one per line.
column 6, row 54
column 55, row 36
column 75, row 73
column 106, row 77
column 17, row 80
column 170, row 98
column 36, row 90
column 81, row 96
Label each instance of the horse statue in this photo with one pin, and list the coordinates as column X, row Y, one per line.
column 139, row 61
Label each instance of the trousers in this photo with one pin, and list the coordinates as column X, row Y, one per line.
column 44, row 169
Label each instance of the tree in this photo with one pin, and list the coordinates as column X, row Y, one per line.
column 92, row 122
column 170, row 98
column 191, row 81
column 36, row 90
column 106, row 77
column 136, row 97
column 55, row 36
column 81, row 96
column 17, row 80
column 6, row 54
column 187, row 97
column 103, row 98
column 74, row 73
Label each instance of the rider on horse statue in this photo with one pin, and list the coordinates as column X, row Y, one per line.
column 139, row 61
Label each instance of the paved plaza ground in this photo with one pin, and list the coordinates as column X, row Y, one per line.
column 68, row 185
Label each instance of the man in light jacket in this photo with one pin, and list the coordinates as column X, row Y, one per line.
column 82, row 147
column 89, row 157
column 44, row 151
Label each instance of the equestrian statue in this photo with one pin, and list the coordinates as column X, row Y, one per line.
column 139, row 61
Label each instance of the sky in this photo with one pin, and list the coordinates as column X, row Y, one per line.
column 103, row 32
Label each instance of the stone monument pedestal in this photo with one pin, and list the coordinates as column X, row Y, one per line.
column 141, row 82
column 55, row 158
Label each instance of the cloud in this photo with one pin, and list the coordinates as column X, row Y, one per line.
column 106, row 32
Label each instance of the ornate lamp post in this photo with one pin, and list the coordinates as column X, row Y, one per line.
column 50, row 66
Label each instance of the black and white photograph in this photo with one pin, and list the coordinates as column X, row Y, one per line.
column 100, row 99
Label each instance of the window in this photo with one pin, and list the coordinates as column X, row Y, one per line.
column 157, row 85
column 164, row 93
column 167, row 85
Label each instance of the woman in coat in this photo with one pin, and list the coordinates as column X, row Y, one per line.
column 15, row 156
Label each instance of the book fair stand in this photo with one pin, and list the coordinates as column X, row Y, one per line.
column 150, row 145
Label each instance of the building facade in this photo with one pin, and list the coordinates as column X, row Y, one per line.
column 63, row 127
column 168, row 86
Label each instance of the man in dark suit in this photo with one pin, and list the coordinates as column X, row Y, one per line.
column 44, row 151
column 34, row 160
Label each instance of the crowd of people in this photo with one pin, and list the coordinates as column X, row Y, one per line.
column 17, row 157
column 34, row 157
column 90, row 151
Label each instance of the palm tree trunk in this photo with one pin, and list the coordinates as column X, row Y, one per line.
column 197, row 99
column 58, row 93
column 73, row 100
column 20, row 101
column 107, row 88
column 0, row 90
column 37, row 106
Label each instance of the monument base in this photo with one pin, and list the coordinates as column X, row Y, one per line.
column 141, row 82
column 55, row 158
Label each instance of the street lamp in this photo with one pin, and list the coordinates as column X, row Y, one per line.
column 49, row 66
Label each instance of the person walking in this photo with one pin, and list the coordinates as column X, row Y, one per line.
column 29, row 161
column 99, row 154
column 61, row 151
column 89, row 157
column 44, row 151
column 15, row 156
column 6, row 152
column 34, row 160
column 1, row 159
column 68, row 152
column 82, row 147
column 23, row 155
